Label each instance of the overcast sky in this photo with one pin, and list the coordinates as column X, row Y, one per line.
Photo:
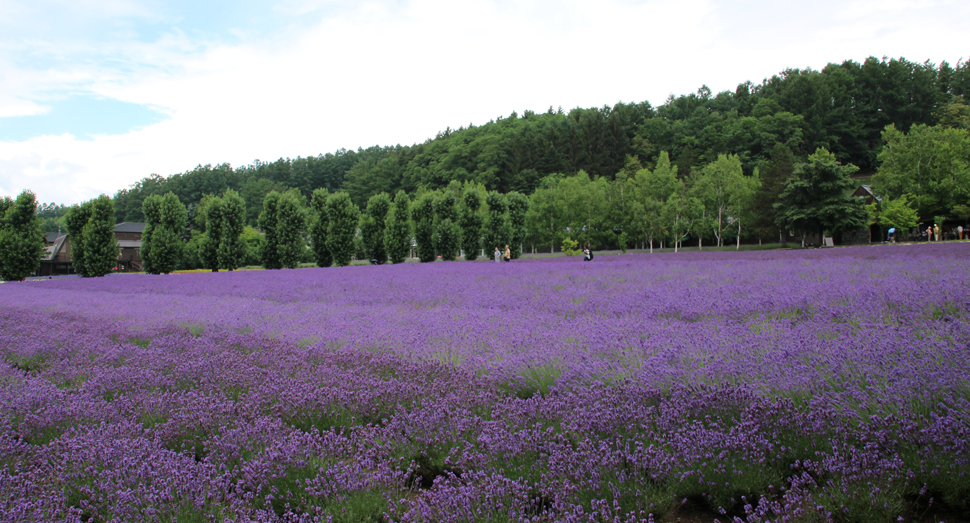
column 97, row 94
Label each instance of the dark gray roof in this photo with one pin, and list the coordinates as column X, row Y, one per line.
column 52, row 237
column 130, row 227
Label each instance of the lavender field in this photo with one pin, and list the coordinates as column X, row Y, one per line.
column 764, row 386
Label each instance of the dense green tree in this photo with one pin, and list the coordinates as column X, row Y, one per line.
column 343, row 217
column 98, row 236
column 232, row 250
column 76, row 219
column 21, row 237
column 320, row 222
column 397, row 229
column 774, row 176
column 373, row 224
column 471, row 222
column 679, row 216
column 447, row 233
column 518, row 208
column 162, row 247
column 269, row 223
column 714, row 189
column 497, row 230
column 895, row 213
column 291, row 217
column 816, row 197
column 208, row 219
column 929, row 164
column 422, row 212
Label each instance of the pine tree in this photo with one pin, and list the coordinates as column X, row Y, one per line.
column 21, row 238
column 397, row 231
column 342, row 230
column 318, row 228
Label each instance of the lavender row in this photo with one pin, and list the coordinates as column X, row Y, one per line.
column 765, row 386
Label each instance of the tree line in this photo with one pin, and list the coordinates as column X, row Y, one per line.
column 843, row 108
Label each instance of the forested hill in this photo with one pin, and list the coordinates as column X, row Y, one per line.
column 844, row 108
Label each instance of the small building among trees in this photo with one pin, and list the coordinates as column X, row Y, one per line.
column 56, row 259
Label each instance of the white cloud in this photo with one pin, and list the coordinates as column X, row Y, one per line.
column 380, row 72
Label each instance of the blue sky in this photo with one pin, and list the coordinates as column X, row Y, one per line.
column 97, row 94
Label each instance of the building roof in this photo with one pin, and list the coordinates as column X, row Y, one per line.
column 52, row 237
column 130, row 227
column 136, row 244
column 50, row 251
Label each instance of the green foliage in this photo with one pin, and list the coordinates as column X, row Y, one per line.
column 208, row 218
column 422, row 212
column 231, row 249
column 816, row 197
column 162, row 246
column 570, row 247
column 896, row 213
column 290, row 228
column 343, row 216
column 21, row 237
column 929, row 164
column 518, row 208
column 447, row 233
column 320, row 222
column 268, row 221
column 497, row 230
column 373, row 224
column 76, row 219
column 94, row 249
column 774, row 176
column 397, row 229
column 471, row 223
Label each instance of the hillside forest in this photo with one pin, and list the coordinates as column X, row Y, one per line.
column 898, row 125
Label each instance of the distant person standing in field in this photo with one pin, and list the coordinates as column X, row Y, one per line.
column 929, row 233
column 936, row 232
column 508, row 254
column 497, row 255
column 960, row 231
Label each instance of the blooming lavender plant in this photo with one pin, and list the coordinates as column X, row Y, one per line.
column 790, row 385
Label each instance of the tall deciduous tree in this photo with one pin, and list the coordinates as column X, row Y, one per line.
column 373, row 225
column 422, row 212
column 447, row 234
column 714, row 189
column 518, row 208
column 497, row 231
column 320, row 222
column 76, row 219
column 208, row 218
column 268, row 221
column 343, row 216
column 471, row 223
column 930, row 164
column 232, row 249
column 98, row 236
column 397, row 230
column 162, row 247
column 21, row 237
column 816, row 197
column 291, row 228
